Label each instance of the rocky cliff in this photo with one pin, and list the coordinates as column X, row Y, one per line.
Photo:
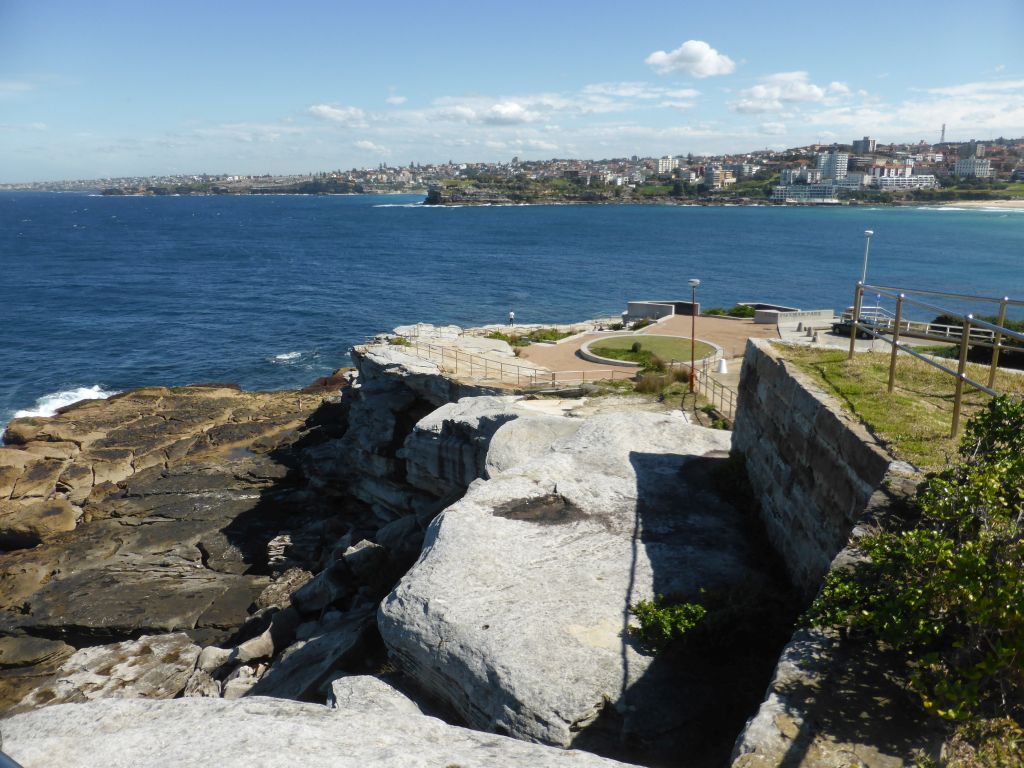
column 479, row 550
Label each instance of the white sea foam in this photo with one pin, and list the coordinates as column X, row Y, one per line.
column 47, row 405
column 287, row 357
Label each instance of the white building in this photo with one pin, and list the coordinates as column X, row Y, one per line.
column 833, row 164
column 920, row 181
column 974, row 167
column 805, row 193
column 667, row 164
column 801, row 175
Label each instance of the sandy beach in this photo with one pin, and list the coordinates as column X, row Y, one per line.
column 1010, row 204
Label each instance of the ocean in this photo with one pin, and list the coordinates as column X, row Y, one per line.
column 102, row 294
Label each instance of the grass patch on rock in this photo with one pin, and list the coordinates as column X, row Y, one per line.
column 914, row 421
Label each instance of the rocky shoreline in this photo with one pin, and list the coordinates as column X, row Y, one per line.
column 425, row 554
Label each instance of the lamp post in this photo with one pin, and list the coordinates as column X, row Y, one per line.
column 694, row 282
column 867, row 245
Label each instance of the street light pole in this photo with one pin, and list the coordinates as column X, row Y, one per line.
column 694, row 282
column 867, row 245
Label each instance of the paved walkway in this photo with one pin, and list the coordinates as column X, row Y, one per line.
column 729, row 334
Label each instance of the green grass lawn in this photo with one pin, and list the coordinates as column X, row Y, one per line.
column 668, row 348
column 913, row 422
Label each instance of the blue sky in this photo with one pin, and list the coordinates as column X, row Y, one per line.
column 102, row 88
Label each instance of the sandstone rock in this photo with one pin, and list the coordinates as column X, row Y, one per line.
column 201, row 685
column 242, row 680
column 212, row 658
column 272, row 640
column 515, row 614
column 362, row 693
column 152, row 667
column 331, row 584
column 179, row 491
column 27, row 522
column 270, row 733
column 278, row 593
column 306, row 667
column 833, row 705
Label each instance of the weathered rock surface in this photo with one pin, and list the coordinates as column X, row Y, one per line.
column 152, row 667
column 271, row 733
column 516, row 614
column 151, row 512
column 832, row 706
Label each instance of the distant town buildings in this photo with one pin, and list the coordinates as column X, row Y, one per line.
column 865, row 146
column 973, row 167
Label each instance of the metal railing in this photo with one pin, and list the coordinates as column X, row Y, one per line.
column 716, row 393
column 993, row 336
column 458, row 362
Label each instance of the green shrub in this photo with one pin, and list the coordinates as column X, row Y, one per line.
column 715, row 311
column 399, row 341
column 616, row 327
column 548, row 334
column 643, row 323
column 662, row 623
column 949, row 591
column 741, row 310
column 513, row 339
column 636, row 346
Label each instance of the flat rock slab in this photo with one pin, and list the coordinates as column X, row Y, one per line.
column 516, row 614
column 150, row 512
column 270, row 733
column 152, row 667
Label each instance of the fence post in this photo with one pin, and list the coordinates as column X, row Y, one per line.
column 858, row 296
column 996, row 342
column 964, row 337
column 895, row 343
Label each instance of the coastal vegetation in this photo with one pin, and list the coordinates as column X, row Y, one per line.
column 530, row 337
column 913, row 422
column 737, row 310
column 947, row 590
column 652, row 352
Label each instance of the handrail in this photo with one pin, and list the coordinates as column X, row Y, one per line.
column 510, row 372
column 941, row 294
column 967, row 336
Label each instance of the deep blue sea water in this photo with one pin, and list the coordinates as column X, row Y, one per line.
column 103, row 294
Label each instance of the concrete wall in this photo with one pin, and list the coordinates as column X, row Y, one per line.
column 811, row 464
column 774, row 317
column 650, row 310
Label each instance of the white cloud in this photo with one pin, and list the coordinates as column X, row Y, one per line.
column 772, row 129
column 14, row 86
column 352, row 117
column 508, row 113
column 775, row 91
column 694, row 57
column 247, row 133
column 980, row 89
column 396, row 101
column 369, row 146
column 676, row 104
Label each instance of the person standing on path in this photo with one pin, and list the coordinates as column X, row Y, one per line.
column 512, row 318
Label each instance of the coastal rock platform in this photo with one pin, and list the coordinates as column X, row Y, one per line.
column 149, row 513
column 368, row 726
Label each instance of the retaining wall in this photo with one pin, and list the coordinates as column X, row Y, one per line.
column 812, row 465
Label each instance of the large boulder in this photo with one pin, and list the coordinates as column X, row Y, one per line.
column 516, row 614
column 271, row 733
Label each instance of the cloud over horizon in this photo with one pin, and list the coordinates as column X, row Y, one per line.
column 694, row 57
